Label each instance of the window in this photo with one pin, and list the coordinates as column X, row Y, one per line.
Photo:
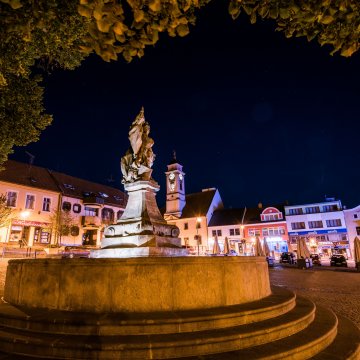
column 74, row 230
column 315, row 224
column 69, row 186
column 186, row 226
column 265, row 232
column 297, row 211
column 66, row 206
column 119, row 214
column 30, row 202
column 282, row 231
column 76, row 208
column 297, row 225
column 46, row 204
column 312, row 209
column 89, row 211
column 355, row 216
column 107, row 214
column 103, row 195
column 219, row 233
column 214, row 233
column 186, row 240
column 11, row 198
column 237, row 231
column 328, row 208
column 271, row 217
column 254, row 232
column 198, row 224
column 232, row 232
column 358, row 230
column 333, row 222
column 117, row 198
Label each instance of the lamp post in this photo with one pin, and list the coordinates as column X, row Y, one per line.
column 198, row 221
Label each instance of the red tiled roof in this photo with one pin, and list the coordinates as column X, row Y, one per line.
column 42, row 178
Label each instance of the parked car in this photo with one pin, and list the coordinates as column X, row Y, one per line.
column 270, row 260
column 338, row 260
column 75, row 252
column 316, row 260
column 288, row 257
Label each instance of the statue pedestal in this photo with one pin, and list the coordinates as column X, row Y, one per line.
column 141, row 230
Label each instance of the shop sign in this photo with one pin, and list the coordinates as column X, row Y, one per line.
column 29, row 223
column 318, row 232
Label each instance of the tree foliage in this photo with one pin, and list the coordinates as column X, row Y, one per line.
column 331, row 22
column 61, row 33
column 5, row 211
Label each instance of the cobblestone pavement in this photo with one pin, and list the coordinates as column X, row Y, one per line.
column 339, row 291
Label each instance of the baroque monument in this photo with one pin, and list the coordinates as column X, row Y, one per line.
column 141, row 230
column 136, row 298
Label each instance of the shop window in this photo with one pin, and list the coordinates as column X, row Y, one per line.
column 46, row 204
column 66, row 206
column 11, row 198
column 265, row 232
column 76, row 208
column 74, row 230
column 30, row 202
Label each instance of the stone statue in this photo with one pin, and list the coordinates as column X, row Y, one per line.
column 136, row 164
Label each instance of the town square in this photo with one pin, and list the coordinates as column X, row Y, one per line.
column 178, row 179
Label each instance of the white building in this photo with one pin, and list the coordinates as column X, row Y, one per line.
column 352, row 219
column 321, row 224
column 192, row 212
column 38, row 195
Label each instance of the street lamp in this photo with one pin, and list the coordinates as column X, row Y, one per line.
column 198, row 221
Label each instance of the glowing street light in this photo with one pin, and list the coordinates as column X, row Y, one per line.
column 25, row 214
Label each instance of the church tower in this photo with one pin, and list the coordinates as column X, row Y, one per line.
column 175, row 189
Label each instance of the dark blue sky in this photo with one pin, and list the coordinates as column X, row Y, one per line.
column 260, row 117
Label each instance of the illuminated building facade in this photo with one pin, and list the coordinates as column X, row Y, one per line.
column 322, row 225
column 51, row 207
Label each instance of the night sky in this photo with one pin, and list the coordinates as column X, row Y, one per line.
column 260, row 117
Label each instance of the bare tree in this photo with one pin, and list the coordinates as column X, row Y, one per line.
column 5, row 211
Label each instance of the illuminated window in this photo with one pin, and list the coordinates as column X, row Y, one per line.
column 89, row 211
column 11, row 198
column 30, row 202
column 333, row 222
column 315, row 224
column 297, row 225
column 46, row 204
column 312, row 209
column 76, row 208
column 297, row 211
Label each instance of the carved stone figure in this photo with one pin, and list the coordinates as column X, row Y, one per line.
column 136, row 164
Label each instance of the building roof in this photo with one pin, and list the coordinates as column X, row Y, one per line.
column 42, row 178
column 28, row 175
column 223, row 217
column 79, row 188
column 198, row 204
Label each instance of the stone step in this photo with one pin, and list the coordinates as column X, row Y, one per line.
column 314, row 342
column 41, row 320
column 159, row 346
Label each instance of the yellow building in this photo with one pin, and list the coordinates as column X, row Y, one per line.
column 51, row 207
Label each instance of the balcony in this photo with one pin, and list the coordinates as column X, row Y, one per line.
column 93, row 201
column 90, row 221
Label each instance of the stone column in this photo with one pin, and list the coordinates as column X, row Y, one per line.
column 98, row 237
column 31, row 236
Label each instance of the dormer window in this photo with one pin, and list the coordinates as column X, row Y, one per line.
column 69, row 187
column 103, row 195
column 117, row 198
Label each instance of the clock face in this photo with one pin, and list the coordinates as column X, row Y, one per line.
column 172, row 176
column 180, row 177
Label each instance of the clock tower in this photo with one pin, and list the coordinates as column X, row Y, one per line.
column 175, row 189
